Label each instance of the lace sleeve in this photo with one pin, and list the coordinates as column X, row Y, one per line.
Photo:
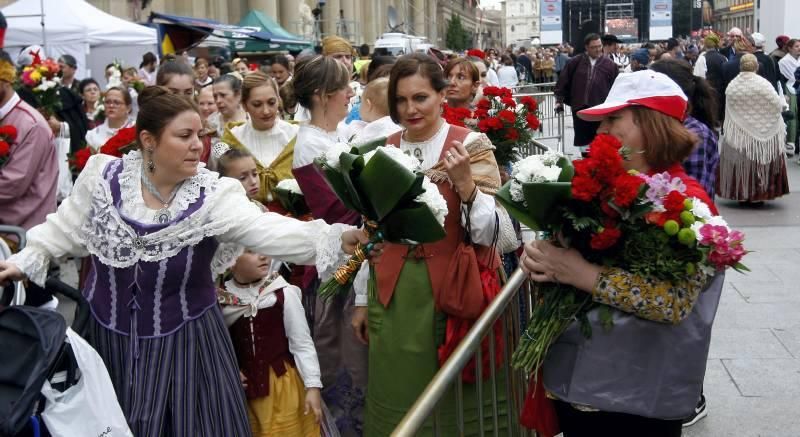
column 274, row 235
column 329, row 250
column 60, row 235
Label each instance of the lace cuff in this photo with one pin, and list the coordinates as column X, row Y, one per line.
column 329, row 250
column 34, row 263
column 360, row 284
column 225, row 257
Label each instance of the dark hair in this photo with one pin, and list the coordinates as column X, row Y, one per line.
column 113, row 65
column 506, row 60
column 254, row 80
column 374, row 66
column 157, row 107
column 672, row 43
column 281, row 60
column 230, row 155
column 465, row 63
column 126, row 96
column 363, row 50
column 409, row 65
column 232, row 80
column 589, row 38
column 703, row 104
column 318, row 75
column 667, row 141
column 225, row 68
column 147, row 59
column 288, row 98
column 69, row 60
column 790, row 43
column 172, row 68
column 86, row 82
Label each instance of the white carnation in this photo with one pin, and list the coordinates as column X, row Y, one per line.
column 289, row 185
column 396, row 154
column 331, row 156
column 434, row 200
column 535, row 168
column 700, row 209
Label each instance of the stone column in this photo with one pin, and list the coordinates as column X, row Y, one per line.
column 330, row 16
column 290, row 16
column 348, row 6
column 268, row 7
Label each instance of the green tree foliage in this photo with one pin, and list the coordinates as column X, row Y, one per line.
column 457, row 38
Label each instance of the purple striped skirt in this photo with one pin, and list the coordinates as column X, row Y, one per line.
column 182, row 384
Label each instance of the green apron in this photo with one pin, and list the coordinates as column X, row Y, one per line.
column 403, row 342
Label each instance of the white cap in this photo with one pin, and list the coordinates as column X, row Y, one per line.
column 642, row 88
column 758, row 39
column 735, row 31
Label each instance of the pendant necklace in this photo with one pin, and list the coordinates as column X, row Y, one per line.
column 163, row 216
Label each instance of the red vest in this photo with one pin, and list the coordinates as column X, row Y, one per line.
column 266, row 347
column 439, row 255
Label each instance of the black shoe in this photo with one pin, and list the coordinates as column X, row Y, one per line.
column 700, row 411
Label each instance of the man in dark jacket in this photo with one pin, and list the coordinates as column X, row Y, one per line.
column 585, row 81
column 525, row 61
column 769, row 67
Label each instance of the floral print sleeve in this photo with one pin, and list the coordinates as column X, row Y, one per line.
column 648, row 298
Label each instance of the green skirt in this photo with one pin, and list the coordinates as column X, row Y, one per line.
column 403, row 343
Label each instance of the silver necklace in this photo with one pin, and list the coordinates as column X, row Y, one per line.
column 163, row 216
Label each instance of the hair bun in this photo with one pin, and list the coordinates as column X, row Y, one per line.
column 152, row 92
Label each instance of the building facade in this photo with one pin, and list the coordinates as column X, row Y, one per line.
column 359, row 21
column 734, row 13
column 522, row 21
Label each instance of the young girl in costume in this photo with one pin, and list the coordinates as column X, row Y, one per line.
column 241, row 165
column 276, row 356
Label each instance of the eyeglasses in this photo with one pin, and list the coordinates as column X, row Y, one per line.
column 114, row 103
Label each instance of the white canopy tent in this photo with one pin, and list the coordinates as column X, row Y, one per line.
column 75, row 27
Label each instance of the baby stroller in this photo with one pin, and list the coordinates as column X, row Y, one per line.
column 33, row 350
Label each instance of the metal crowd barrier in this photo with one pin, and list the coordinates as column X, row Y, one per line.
column 551, row 129
column 507, row 308
column 512, row 309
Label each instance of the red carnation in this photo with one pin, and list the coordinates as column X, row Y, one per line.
column 529, row 103
column 533, row 121
column 505, row 92
column 481, row 113
column 478, row 53
column 483, row 125
column 674, row 202
column 608, row 210
column 512, row 134
column 604, row 239
column 496, row 123
column 492, row 91
column 626, row 189
column 484, row 104
column 9, row 132
column 81, row 157
column 509, row 102
column 507, row 116
column 120, row 143
column 585, row 188
column 4, row 149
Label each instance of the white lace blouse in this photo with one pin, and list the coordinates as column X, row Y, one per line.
column 301, row 345
column 88, row 222
column 265, row 145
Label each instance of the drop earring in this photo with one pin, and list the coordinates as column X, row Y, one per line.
column 151, row 166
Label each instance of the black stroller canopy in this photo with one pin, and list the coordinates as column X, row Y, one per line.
column 30, row 342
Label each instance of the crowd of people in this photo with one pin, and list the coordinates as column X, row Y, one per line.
column 203, row 286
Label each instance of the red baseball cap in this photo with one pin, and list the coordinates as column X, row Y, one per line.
column 642, row 88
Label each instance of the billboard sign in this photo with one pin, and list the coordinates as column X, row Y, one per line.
column 660, row 19
column 550, row 27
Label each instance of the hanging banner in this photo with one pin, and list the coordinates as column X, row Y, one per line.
column 660, row 19
column 550, row 26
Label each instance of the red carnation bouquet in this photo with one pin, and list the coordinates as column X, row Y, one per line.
column 121, row 143
column 8, row 134
column 647, row 225
column 505, row 121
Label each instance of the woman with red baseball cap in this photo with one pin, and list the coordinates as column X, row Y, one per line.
column 643, row 376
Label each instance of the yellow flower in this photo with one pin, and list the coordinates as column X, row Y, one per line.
column 36, row 76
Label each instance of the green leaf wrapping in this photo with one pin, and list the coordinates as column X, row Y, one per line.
column 385, row 183
column 293, row 202
column 543, row 198
column 416, row 223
